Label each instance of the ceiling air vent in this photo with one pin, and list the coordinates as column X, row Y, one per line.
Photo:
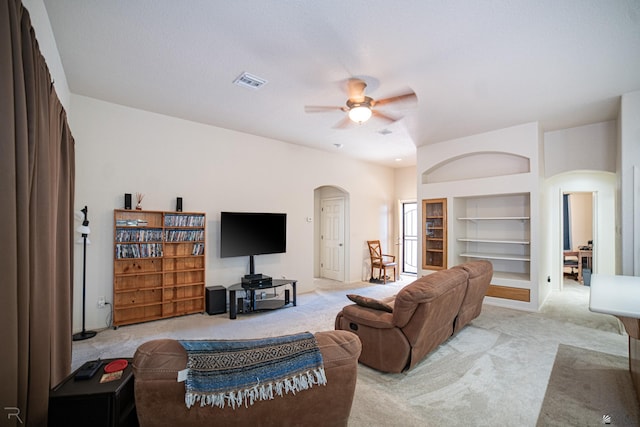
column 250, row 81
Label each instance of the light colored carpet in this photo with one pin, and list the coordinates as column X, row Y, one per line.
column 494, row 372
column 569, row 306
column 587, row 386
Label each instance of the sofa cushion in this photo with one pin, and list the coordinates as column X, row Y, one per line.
column 370, row 303
column 160, row 398
column 427, row 290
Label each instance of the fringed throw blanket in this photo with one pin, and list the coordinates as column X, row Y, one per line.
column 237, row 373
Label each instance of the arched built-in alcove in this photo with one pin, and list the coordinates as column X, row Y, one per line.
column 476, row 165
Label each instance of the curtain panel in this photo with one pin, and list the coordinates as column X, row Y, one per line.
column 37, row 172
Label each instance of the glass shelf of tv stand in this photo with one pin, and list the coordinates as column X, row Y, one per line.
column 254, row 303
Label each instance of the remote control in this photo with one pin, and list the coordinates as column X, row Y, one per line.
column 88, row 370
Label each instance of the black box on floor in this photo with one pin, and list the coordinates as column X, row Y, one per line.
column 216, row 299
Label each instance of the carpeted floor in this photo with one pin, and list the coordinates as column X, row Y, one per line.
column 586, row 387
column 494, row 372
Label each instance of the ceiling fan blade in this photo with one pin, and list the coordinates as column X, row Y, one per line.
column 321, row 108
column 406, row 97
column 344, row 123
column 355, row 89
column 385, row 116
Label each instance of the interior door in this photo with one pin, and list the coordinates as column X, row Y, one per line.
column 332, row 239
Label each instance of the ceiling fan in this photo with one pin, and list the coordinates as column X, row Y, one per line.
column 359, row 107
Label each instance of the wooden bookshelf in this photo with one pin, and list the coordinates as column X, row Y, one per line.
column 158, row 266
column 434, row 234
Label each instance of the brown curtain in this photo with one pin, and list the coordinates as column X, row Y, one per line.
column 37, row 171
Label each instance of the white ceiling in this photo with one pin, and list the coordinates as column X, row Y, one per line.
column 474, row 65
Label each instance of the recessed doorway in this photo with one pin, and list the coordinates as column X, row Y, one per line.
column 331, row 233
column 409, row 238
column 602, row 187
column 577, row 236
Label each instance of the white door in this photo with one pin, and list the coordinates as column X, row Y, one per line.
column 332, row 239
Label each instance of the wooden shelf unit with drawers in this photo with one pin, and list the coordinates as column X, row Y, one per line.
column 158, row 265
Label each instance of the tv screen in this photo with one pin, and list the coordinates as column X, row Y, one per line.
column 248, row 233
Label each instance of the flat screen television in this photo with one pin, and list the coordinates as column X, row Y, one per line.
column 252, row 233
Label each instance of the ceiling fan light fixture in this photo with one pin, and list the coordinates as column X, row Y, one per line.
column 360, row 113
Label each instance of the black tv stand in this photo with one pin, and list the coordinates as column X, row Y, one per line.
column 252, row 268
column 255, row 299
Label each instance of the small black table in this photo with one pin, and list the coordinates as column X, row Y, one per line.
column 91, row 403
column 261, row 304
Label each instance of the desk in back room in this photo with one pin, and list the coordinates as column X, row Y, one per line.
column 584, row 257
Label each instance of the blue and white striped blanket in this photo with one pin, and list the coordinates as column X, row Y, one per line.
column 240, row 372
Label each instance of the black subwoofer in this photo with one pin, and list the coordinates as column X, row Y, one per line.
column 216, row 299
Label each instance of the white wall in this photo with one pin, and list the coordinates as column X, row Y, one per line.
column 629, row 182
column 123, row 150
column 405, row 183
column 591, row 147
column 49, row 49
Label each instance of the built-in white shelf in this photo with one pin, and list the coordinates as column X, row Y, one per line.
column 495, row 218
column 506, row 257
column 511, row 276
column 507, row 241
column 496, row 228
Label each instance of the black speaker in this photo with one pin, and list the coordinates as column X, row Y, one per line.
column 216, row 299
column 178, row 204
column 127, row 200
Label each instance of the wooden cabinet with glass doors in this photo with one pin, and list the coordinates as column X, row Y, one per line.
column 434, row 234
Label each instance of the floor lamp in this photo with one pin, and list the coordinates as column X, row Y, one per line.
column 84, row 230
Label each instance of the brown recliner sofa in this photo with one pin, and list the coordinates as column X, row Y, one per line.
column 160, row 399
column 479, row 277
column 419, row 318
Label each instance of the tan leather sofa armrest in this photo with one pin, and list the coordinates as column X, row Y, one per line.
column 338, row 348
column 368, row 316
column 159, row 360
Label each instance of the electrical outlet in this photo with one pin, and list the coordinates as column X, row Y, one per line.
column 101, row 302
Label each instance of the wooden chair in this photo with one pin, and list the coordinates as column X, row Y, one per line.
column 381, row 261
